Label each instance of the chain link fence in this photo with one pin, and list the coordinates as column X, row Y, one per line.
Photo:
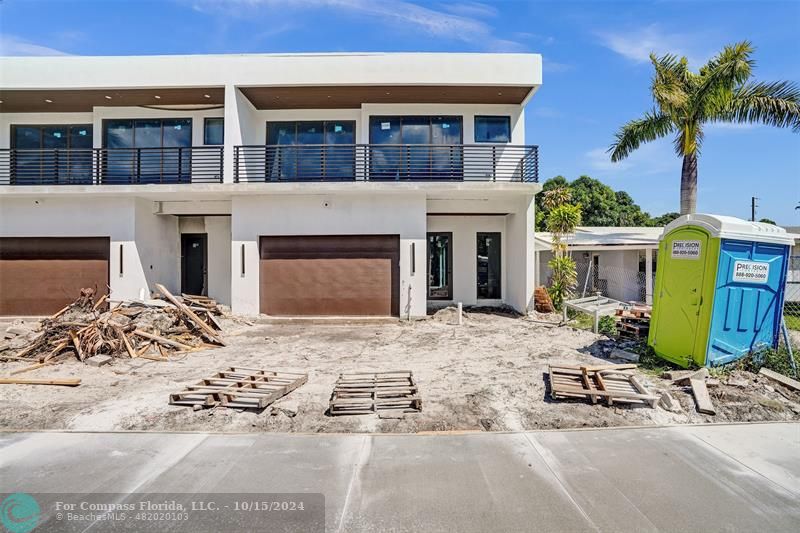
column 791, row 306
column 619, row 283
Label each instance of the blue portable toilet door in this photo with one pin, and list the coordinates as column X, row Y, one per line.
column 748, row 299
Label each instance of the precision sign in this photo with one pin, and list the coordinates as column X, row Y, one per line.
column 686, row 249
column 750, row 271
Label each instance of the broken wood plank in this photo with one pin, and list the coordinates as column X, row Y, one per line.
column 77, row 345
column 701, row 374
column 128, row 348
column 162, row 340
column 99, row 302
column 701, row 397
column 31, row 367
column 189, row 313
column 21, row 381
column 786, row 381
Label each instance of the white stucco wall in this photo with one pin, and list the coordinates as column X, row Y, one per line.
column 465, row 262
column 355, row 214
column 62, row 217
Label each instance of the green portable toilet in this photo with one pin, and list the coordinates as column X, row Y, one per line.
column 719, row 289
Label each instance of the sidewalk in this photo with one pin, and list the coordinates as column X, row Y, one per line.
column 690, row 478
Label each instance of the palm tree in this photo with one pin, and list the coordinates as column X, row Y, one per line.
column 721, row 92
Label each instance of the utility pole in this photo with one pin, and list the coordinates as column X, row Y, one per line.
column 753, row 206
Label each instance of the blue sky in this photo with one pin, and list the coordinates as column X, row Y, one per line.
column 596, row 72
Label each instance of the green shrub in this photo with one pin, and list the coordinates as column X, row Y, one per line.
column 607, row 325
column 775, row 360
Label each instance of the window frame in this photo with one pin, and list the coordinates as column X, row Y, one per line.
column 205, row 131
column 104, row 127
column 507, row 119
column 499, row 236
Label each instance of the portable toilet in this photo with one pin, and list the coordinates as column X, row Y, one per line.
column 719, row 289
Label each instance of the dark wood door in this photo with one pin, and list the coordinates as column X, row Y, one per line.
column 41, row 275
column 194, row 263
column 346, row 275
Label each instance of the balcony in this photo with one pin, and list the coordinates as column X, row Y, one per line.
column 111, row 166
column 377, row 162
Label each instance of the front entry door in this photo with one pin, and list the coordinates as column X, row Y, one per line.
column 194, row 261
column 440, row 266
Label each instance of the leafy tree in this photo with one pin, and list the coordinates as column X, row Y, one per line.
column 720, row 92
column 664, row 219
column 600, row 204
column 768, row 221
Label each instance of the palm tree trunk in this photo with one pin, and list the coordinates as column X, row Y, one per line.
column 689, row 184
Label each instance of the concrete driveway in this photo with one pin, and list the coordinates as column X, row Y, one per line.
column 690, row 478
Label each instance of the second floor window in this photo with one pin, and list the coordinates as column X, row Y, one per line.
column 311, row 149
column 147, row 150
column 52, row 154
column 492, row 129
column 214, row 131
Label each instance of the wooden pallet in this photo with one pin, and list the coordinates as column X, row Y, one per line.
column 243, row 388
column 609, row 384
column 361, row 393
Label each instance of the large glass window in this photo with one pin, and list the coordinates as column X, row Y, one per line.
column 416, row 147
column 214, row 131
column 147, row 150
column 52, row 154
column 488, row 282
column 492, row 129
column 440, row 266
column 311, row 149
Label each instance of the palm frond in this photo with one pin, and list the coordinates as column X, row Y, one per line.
column 636, row 132
column 720, row 77
column 670, row 85
column 772, row 103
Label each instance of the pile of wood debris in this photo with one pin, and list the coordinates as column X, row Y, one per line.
column 89, row 328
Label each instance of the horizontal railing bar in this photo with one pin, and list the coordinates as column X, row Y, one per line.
column 64, row 166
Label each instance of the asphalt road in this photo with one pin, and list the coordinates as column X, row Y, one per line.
column 691, row 478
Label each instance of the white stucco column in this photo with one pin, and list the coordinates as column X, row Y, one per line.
column 648, row 275
column 520, row 269
column 240, row 127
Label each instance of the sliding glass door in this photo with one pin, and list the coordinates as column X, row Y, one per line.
column 52, row 154
column 311, row 150
column 147, row 151
column 416, row 147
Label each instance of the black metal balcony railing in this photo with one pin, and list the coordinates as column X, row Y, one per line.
column 375, row 162
column 114, row 166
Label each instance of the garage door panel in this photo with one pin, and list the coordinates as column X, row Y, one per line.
column 39, row 276
column 338, row 275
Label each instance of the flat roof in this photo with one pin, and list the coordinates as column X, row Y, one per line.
column 309, row 78
column 605, row 236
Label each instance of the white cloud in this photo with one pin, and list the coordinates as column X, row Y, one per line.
column 555, row 67
column 470, row 9
column 649, row 159
column 636, row 45
column 11, row 45
column 461, row 22
column 545, row 112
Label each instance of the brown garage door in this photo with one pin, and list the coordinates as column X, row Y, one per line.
column 40, row 275
column 347, row 275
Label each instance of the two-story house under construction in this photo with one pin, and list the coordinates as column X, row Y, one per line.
column 306, row 184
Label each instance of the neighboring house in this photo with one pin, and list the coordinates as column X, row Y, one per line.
column 793, row 273
column 619, row 262
column 308, row 184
